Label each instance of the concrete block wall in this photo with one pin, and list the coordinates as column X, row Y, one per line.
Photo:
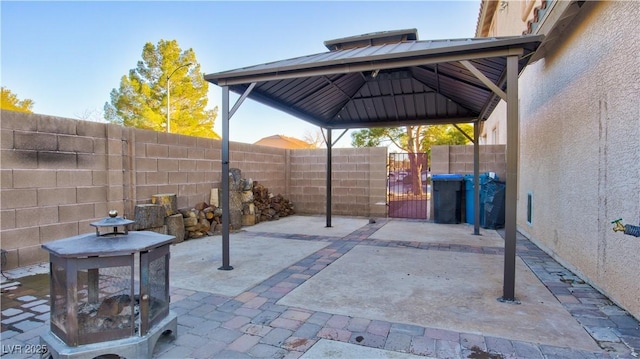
column 267, row 165
column 459, row 159
column 190, row 166
column 358, row 181
column 58, row 175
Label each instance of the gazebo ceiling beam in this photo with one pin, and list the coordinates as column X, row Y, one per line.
column 333, row 84
column 439, row 74
column 484, row 79
column 399, row 123
column 257, row 96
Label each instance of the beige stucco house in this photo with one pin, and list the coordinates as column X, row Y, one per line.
column 282, row 141
column 579, row 155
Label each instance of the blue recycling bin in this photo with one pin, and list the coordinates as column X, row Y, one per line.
column 468, row 194
column 447, row 198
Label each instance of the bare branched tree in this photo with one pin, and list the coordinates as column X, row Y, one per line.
column 88, row 114
column 314, row 139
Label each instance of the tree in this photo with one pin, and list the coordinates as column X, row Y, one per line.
column 141, row 100
column 413, row 140
column 314, row 139
column 11, row 102
column 90, row 114
column 445, row 135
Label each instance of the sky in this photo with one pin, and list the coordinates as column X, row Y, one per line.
column 68, row 56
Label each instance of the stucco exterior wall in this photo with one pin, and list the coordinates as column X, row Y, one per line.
column 507, row 20
column 58, row 175
column 580, row 149
column 494, row 129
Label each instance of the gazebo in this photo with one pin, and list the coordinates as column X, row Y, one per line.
column 391, row 79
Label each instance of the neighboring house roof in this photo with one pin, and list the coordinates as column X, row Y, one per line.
column 542, row 17
column 535, row 11
column 539, row 13
column 281, row 141
column 485, row 17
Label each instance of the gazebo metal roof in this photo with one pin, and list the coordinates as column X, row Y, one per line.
column 385, row 79
column 390, row 79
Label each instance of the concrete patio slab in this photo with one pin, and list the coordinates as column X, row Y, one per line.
column 310, row 225
column 438, row 233
column 194, row 263
column 333, row 349
column 321, row 296
column 448, row 290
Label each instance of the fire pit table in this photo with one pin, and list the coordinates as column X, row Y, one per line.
column 98, row 305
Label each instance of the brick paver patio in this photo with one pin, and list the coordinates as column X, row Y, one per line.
column 253, row 325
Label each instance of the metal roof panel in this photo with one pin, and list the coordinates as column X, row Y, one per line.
column 383, row 84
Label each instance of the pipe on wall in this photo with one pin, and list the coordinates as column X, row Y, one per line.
column 628, row 229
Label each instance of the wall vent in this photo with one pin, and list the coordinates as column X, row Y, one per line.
column 530, row 208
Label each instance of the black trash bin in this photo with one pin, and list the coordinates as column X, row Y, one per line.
column 494, row 204
column 447, row 198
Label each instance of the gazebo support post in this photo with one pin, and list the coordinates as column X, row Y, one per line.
column 476, row 175
column 224, row 197
column 329, row 171
column 511, row 190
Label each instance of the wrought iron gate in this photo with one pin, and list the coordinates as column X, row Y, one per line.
column 408, row 185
